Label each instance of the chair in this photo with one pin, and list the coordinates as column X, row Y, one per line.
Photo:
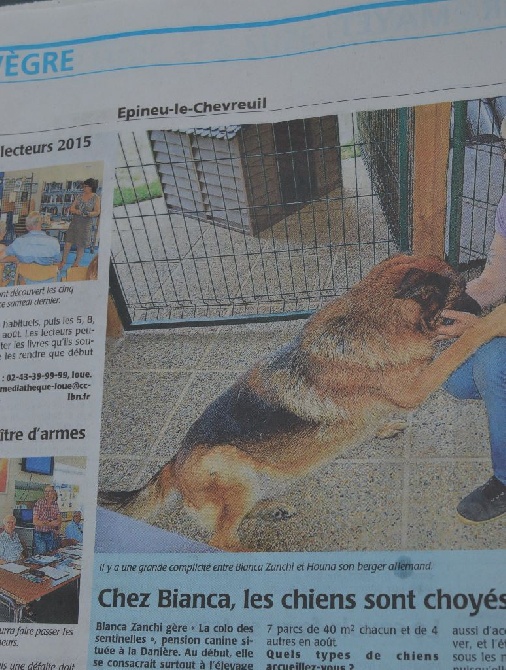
column 7, row 608
column 4, row 280
column 76, row 274
column 35, row 272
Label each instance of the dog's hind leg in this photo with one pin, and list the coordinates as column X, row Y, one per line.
column 232, row 508
column 142, row 502
column 274, row 510
column 220, row 486
column 391, row 429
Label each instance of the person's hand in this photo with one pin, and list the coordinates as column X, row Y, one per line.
column 461, row 322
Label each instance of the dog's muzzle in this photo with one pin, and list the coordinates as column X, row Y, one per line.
column 463, row 304
column 467, row 304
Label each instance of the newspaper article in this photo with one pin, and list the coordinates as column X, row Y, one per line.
column 252, row 262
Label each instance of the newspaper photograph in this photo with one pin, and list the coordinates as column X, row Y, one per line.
column 252, row 268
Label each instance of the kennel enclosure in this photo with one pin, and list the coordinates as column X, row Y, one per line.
column 255, row 222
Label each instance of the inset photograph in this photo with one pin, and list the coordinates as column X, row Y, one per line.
column 50, row 223
column 41, row 535
column 290, row 372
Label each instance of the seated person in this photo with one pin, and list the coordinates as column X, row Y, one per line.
column 35, row 246
column 11, row 548
column 74, row 529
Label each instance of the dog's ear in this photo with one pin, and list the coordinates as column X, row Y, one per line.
column 421, row 285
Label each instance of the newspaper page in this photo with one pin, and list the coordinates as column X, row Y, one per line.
column 252, row 388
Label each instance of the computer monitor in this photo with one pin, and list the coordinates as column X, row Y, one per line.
column 24, row 517
column 38, row 465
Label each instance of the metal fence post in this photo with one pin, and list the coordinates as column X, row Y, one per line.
column 458, row 144
column 118, row 298
column 404, row 177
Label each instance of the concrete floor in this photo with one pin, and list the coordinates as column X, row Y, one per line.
column 397, row 494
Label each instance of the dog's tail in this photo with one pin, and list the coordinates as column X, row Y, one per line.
column 142, row 502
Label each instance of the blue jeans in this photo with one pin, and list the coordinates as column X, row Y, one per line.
column 44, row 543
column 483, row 376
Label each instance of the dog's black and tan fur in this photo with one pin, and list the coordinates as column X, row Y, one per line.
column 356, row 360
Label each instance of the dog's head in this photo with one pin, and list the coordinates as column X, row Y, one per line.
column 435, row 286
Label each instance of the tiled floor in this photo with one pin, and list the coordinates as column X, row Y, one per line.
column 397, row 494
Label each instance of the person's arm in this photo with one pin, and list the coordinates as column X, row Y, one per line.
column 73, row 209
column 37, row 522
column 56, row 522
column 96, row 210
column 8, row 254
column 53, row 523
column 487, row 289
column 490, row 287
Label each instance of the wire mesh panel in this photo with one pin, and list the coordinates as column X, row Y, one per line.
column 388, row 137
column 244, row 222
column 478, row 171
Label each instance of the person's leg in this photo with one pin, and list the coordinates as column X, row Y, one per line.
column 79, row 255
column 484, row 376
column 490, row 378
column 53, row 543
column 461, row 384
column 39, row 541
column 36, row 542
column 66, row 250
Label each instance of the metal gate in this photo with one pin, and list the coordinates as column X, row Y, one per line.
column 255, row 222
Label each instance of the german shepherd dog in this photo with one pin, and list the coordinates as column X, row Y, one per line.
column 356, row 360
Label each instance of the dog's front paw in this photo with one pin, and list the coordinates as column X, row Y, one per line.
column 282, row 514
column 391, row 429
column 270, row 510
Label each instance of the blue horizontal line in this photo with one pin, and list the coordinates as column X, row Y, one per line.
column 260, row 58
column 224, row 26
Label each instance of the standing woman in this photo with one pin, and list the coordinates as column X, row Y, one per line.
column 84, row 209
